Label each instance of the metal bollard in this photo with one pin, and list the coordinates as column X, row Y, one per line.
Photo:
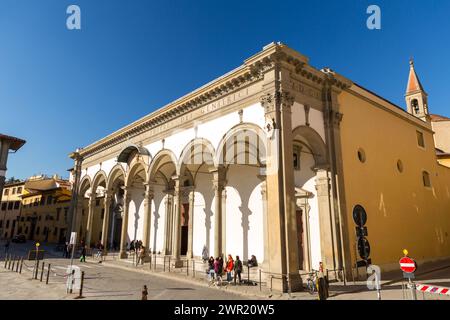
column 81, row 285
column 193, row 268
column 42, row 271
column 164, row 264
column 48, row 273
column 260, row 280
column 17, row 265
column 187, row 267
column 21, row 265
column 6, row 260
column 37, row 270
column 9, row 263
column 169, row 263
column 13, row 263
column 248, row 275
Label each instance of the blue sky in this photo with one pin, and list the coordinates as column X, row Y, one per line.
column 63, row 89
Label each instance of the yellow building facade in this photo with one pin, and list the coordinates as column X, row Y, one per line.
column 45, row 206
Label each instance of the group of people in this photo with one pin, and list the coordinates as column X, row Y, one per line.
column 217, row 267
column 139, row 250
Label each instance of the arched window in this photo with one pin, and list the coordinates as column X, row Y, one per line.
column 415, row 105
column 426, row 179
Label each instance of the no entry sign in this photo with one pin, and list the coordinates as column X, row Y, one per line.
column 407, row 265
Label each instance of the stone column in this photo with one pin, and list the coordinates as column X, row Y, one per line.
column 176, row 245
column 73, row 217
column 78, row 216
column 124, row 231
column 190, row 250
column 218, row 184
column 325, row 219
column 167, row 225
column 282, row 233
column 106, row 215
column 265, row 236
column 90, row 219
column 148, row 198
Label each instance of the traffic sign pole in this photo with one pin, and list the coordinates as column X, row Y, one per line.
column 408, row 266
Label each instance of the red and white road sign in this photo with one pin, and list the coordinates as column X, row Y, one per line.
column 407, row 265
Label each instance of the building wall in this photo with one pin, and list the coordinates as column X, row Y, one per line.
column 442, row 135
column 402, row 213
column 213, row 130
column 10, row 208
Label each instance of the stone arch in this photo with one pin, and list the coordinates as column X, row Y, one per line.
column 130, row 152
column 99, row 179
column 138, row 169
column 315, row 143
column 256, row 147
column 197, row 153
column 162, row 159
column 85, row 185
column 116, row 172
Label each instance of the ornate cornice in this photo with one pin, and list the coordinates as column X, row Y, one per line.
column 250, row 72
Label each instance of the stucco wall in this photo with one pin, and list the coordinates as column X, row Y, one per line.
column 402, row 213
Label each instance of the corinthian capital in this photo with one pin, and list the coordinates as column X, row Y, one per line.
column 268, row 102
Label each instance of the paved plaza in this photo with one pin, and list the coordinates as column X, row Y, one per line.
column 115, row 279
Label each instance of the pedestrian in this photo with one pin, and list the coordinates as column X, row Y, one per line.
column 229, row 267
column 7, row 246
column 66, row 244
column 211, row 268
column 99, row 251
column 218, row 268
column 141, row 256
column 237, row 270
column 132, row 245
column 69, row 250
column 83, row 254
column 144, row 293
column 252, row 262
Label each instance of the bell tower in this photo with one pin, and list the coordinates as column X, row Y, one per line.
column 416, row 97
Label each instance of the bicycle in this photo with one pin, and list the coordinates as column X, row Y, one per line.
column 311, row 282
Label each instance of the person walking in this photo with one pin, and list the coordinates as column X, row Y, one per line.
column 237, row 270
column 141, row 256
column 211, row 268
column 69, row 250
column 7, row 243
column 229, row 267
column 66, row 244
column 144, row 293
column 83, row 254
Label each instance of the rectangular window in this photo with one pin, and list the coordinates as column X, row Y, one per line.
column 4, row 206
column 6, row 192
column 16, row 205
column 55, row 231
column 97, row 202
column 7, row 224
column 19, row 190
column 10, row 205
column 13, row 191
column 420, row 140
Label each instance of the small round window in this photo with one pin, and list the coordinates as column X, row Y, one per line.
column 400, row 166
column 361, row 155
